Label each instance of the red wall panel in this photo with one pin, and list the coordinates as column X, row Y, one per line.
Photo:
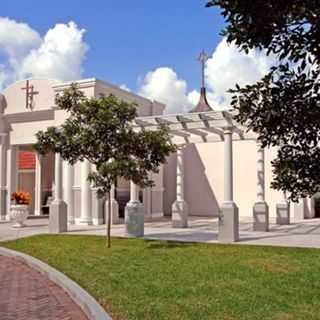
column 27, row 160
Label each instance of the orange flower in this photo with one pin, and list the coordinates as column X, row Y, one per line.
column 21, row 197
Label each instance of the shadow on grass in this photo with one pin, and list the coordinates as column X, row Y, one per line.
column 153, row 244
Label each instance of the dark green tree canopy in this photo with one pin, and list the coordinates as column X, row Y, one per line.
column 101, row 131
column 284, row 107
column 288, row 28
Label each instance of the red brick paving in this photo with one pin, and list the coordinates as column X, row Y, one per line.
column 26, row 294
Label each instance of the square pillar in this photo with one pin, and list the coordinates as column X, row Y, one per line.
column 283, row 211
column 229, row 217
column 261, row 216
column 134, row 214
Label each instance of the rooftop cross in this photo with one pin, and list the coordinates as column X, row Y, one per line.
column 29, row 94
column 203, row 104
column 203, row 58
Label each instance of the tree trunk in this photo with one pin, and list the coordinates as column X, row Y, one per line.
column 109, row 221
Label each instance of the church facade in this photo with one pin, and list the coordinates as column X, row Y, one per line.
column 196, row 176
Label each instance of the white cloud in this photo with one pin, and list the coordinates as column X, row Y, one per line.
column 124, row 87
column 59, row 54
column 164, row 86
column 226, row 67
column 17, row 39
column 193, row 97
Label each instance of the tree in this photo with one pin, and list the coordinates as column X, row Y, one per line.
column 282, row 108
column 101, row 131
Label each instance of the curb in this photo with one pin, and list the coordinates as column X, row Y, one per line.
column 82, row 298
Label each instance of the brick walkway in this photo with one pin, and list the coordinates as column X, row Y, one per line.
column 25, row 294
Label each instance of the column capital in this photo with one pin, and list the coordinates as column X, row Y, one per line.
column 228, row 130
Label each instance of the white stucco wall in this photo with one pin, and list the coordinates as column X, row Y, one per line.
column 25, row 123
column 204, row 178
column 16, row 97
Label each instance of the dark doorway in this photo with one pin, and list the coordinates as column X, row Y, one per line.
column 317, row 207
column 123, row 197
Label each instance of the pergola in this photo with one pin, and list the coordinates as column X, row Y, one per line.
column 196, row 127
column 199, row 127
column 202, row 127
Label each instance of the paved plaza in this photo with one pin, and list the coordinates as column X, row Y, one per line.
column 25, row 294
column 302, row 234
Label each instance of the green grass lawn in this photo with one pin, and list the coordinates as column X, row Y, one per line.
column 157, row 280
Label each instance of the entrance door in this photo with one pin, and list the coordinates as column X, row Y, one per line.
column 26, row 182
column 317, row 207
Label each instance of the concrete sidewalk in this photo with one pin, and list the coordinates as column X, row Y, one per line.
column 302, row 234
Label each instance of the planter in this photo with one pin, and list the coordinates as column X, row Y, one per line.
column 19, row 214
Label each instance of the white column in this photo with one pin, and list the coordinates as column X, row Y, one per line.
column 57, row 178
column 147, row 201
column 180, row 207
column 300, row 210
column 86, row 215
column 260, row 209
column 38, row 186
column 260, row 175
column 58, row 220
column 229, row 218
column 134, row 192
column 114, row 207
column 12, row 175
column 228, row 167
column 68, row 173
column 180, row 175
column 3, row 171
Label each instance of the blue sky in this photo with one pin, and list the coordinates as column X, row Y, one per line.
column 148, row 47
column 128, row 38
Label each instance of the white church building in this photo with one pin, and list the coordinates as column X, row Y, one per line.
column 218, row 171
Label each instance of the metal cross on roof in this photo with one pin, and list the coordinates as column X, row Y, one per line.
column 30, row 93
column 203, row 58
